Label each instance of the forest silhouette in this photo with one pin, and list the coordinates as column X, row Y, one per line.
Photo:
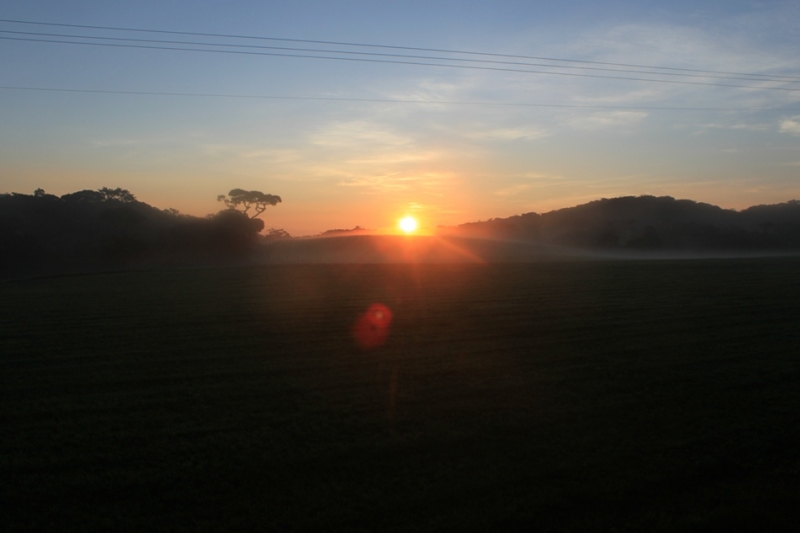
column 108, row 229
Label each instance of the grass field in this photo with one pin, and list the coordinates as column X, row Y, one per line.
column 573, row 396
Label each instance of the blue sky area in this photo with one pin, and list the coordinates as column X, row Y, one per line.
column 445, row 143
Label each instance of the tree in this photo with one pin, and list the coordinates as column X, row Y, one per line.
column 233, row 231
column 247, row 199
column 277, row 234
column 84, row 197
column 120, row 195
column 101, row 195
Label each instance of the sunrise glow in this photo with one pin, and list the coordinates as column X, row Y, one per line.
column 408, row 224
column 453, row 140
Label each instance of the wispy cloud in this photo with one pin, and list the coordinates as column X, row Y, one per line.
column 358, row 133
column 791, row 125
column 394, row 157
column 706, row 128
column 507, row 134
column 273, row 155
column 427, row 90
column 608, row 120
column 513, row 190
column 128, row 142
column 422, row 183
column 737, row 126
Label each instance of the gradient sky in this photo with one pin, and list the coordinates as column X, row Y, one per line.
column 338, row 164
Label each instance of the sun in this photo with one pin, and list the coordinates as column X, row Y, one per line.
column 408, row 224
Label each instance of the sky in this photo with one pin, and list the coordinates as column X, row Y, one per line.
column 361, row 141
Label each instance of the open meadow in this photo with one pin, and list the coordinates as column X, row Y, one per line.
column 560, row 396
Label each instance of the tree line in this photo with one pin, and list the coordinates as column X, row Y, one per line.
column 109, row 228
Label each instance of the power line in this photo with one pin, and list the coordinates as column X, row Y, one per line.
column 440, row 58
column 417, row 63
column 390, row 101
column 371, row 45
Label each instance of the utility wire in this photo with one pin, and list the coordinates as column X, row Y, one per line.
column 369, row 45
column 418, row 63
column 409, row 56
column 392, row 101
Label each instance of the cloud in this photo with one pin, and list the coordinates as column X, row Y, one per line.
column 394, row 157
column 375, row 158
column 275, row 156
column 513, row 190
column 690, row 45
column 427, row 182
column 123, row 142
column 508, row 134
column 221, row 150
column 650, row 94
column 739, row 126
column 791, row 125
column 608, row 120
column 358, row 133
column 541, row 178
column 426, row 91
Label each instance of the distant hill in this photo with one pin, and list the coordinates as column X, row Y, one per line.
column 649, row 223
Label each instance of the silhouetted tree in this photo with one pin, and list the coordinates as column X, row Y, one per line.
column 120, row 195
column 247, row 199
column 234, row 231
column 95, row 197
column 276, row 234
column 86, row 196
column 337, row 231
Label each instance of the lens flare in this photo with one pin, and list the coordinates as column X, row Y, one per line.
column 371, row 329
column 408, row 224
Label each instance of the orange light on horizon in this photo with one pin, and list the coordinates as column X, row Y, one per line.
column 408, row 224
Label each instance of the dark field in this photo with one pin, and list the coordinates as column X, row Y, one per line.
column 583, row 396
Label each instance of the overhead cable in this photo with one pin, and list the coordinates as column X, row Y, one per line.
column 372, row 45
column 408, row 56
column 416, row 63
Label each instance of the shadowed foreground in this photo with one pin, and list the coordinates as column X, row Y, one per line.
column 635, row 396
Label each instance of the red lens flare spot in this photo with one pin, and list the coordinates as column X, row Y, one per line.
column 372, row 328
